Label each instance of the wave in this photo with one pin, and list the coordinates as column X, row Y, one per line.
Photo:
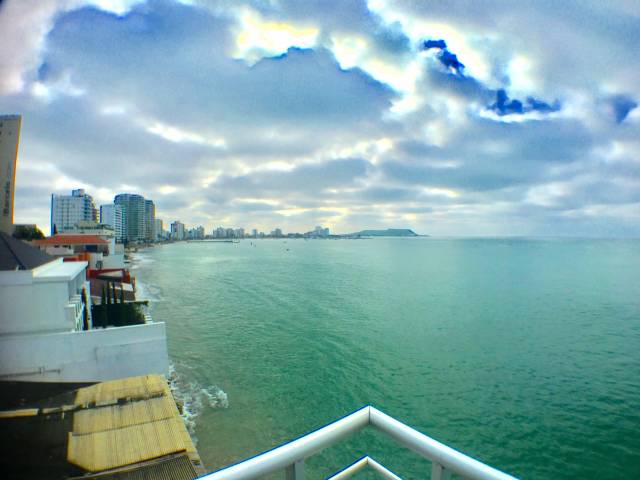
column 193, row 399
column 148, row 291
column 138, row 259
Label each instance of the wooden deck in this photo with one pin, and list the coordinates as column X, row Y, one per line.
column 124, row 422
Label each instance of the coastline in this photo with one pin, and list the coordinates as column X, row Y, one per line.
column 191, row 397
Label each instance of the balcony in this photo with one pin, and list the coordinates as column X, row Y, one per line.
column 445, row 461
column 74, row 311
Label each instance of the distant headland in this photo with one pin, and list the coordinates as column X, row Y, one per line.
column 389, row 232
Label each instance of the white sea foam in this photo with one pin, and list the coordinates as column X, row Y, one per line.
column 138, row 259
column 194, row 399
column 148, row 291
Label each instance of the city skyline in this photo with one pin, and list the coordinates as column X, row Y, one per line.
column 69, row 211
column 450, row 120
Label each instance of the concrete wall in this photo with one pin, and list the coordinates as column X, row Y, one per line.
column 28, row 306
column 114, row 260
column 89, row 356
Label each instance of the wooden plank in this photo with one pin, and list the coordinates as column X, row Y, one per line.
column 109, row 433
column 106, row 393
column 109, row 449
column 119, row 416
column 24, row 412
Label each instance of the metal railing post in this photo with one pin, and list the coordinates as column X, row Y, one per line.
column 295, row 471
column 438, row 472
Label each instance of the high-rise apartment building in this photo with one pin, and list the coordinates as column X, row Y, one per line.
column 149, row 220
column 196, row 233
column 9, row 141
column 111, row 214
column 68, row 210
column 133, row 216
column 158, row 232
column 177, row 230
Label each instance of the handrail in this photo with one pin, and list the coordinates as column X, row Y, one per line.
column 287, row 454
column 433, row 450
column 362, row 463
column 291, row 455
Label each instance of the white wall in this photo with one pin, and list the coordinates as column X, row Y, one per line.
column 113, row 261
column 36, row 300
column 89, row 356
column 31, row 306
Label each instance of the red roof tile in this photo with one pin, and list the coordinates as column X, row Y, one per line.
column 72, row 240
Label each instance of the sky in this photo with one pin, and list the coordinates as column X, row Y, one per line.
column 461, row 118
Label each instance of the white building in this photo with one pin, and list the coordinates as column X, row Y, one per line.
column 46, row 333
column 99, row 250
column 68, row 210
column 321, row 232
column 196, row 233
column 177, row 230
column 111, row 215
column 9, row 140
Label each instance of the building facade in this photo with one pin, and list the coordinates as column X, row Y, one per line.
column 158, row 230
column 177, row 231
column 111, row 215
column 9, row 141
column 133, row 215
column 68, row 210
column 149, row 220
column 47, row 333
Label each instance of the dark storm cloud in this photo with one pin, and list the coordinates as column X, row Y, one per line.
column 505, row 106
column 446, row 58
column 622, row 106
column 450, row 60
column 439, row 44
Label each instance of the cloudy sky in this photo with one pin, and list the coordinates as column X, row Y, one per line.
column 451, row 118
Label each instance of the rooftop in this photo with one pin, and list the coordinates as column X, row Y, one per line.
column 61, row 271
column 66, row 239
column 18, row 255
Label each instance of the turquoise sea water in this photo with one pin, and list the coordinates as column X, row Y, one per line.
column 522, row 353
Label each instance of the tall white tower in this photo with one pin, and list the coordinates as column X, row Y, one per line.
column 9, row 141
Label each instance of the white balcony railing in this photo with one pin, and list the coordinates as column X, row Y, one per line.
column 290, row 456
column 75, row 311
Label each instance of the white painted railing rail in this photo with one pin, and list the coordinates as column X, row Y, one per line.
column 290, row 456
column 362, row 463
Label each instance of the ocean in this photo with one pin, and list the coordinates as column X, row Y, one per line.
column 523, row 353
